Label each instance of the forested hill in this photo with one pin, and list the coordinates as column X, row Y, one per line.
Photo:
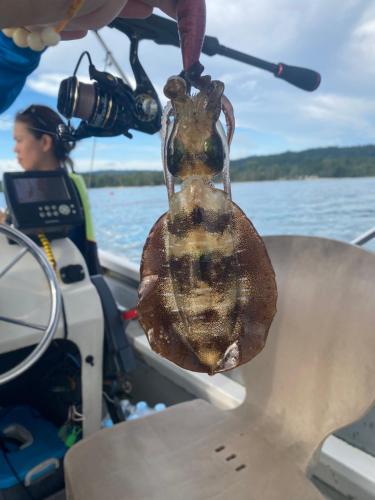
column 358, row 161
column 322, row 162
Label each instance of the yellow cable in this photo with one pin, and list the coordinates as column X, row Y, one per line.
column 48, row 251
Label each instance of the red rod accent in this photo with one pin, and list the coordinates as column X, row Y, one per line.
column 130, row 314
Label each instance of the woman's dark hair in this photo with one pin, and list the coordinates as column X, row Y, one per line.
column 44, row 120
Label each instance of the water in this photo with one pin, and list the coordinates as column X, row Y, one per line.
column 334, row 208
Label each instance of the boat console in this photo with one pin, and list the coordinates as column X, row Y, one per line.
column 45, row 206
column 42, row 202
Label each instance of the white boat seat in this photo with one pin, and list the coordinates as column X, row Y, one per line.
column 191, row 451
column 315, row 375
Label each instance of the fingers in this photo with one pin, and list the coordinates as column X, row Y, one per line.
column 30, row 12
column 136, row 9
column 144, row 8
column 96, row 18
column 94, row 13
column 72, row 35
column 167, row 6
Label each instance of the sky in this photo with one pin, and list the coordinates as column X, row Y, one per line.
column 334, row 37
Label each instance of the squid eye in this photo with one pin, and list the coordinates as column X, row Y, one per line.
column 175, row 154
column 214, row 150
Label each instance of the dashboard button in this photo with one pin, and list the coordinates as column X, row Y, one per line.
column 64, row 209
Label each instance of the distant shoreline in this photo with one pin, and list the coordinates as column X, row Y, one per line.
column 333, row 162
column 235, row 181
column 319, row 163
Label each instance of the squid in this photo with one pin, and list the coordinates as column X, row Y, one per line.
column 207, row 293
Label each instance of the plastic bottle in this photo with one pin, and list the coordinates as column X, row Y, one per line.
column 126, row 407
column 107, row 422
column 132, row 412
column 141, row 409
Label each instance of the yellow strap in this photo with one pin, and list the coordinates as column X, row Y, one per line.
column 48, row 251
column 83, row 194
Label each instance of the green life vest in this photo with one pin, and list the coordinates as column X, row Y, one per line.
column 83, row 194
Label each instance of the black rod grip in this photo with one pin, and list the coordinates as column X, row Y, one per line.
column 303, row 78
column 240, row 56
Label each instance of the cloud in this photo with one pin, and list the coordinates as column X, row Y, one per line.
column 6, row 123
column 9, row 165
column 49, row 83
column 340, row 110
column 84, row 164
column 360, row 47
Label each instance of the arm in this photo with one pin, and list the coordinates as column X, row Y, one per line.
column 15, row 66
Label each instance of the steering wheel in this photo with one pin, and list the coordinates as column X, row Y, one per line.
column 27, row 245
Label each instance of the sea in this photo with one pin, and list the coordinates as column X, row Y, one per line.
column 334, row 208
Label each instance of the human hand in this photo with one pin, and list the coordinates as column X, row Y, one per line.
column 94, row 14
column 107, row 12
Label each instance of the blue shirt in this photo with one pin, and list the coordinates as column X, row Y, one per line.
column 16, row 64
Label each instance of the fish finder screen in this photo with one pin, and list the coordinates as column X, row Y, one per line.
column 34, row 190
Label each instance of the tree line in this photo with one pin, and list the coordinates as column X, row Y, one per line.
column 356, row 161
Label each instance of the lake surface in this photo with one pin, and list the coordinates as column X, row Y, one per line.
column 334, row 208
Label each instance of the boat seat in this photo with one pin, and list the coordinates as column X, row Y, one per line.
column 316, row 374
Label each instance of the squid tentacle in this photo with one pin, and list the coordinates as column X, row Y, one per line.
column 165, row 133
column 227, row 109
column 225, row 171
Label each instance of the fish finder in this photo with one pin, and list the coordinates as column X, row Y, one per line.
column 42, row 202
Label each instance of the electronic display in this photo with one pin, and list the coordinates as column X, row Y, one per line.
column 33, row 190
column 43, row 201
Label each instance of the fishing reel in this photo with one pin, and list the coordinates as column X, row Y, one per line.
column 109, row 107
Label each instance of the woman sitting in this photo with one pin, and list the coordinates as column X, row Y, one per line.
column 38, row 147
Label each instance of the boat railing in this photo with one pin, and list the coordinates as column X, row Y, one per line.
column 120, row 265
column 364, row 237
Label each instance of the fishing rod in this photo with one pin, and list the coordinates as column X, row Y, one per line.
column 164, row 32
